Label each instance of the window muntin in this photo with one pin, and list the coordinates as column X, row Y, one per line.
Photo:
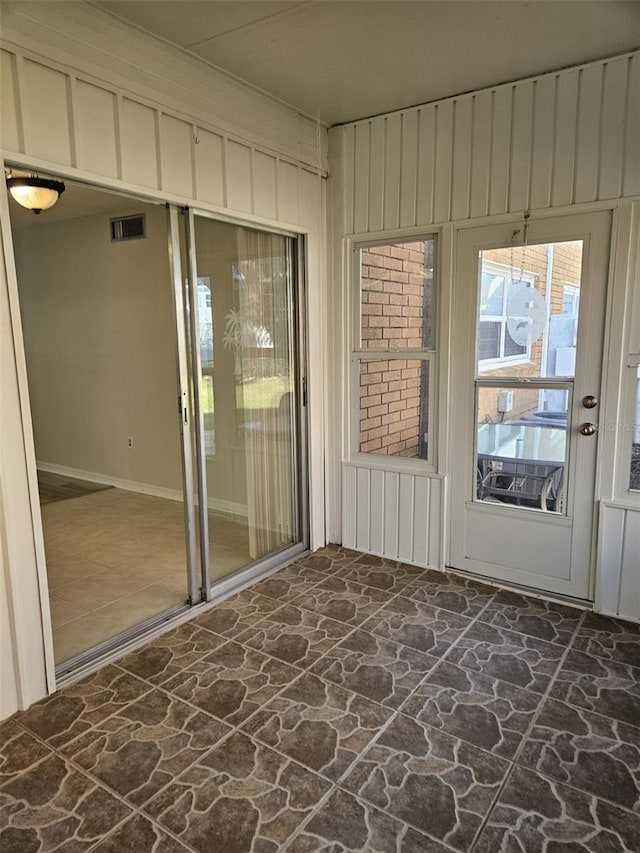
column 394, row 359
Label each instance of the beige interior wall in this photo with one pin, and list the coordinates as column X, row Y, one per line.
column 100, row 347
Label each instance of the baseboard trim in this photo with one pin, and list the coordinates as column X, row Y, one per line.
column 216, row 504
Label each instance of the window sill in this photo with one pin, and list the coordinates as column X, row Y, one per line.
column 399, row 465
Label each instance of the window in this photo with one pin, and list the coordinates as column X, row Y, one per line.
column 634, row 473
column 496, row 347
column 394, row 357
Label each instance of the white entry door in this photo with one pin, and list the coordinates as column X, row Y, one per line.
column 528, row 314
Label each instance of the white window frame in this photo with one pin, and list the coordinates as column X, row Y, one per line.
column 495, row 268
column 361, row 354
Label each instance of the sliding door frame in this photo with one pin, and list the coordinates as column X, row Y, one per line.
column 296, row 270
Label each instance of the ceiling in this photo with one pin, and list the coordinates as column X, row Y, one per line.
column 342, row 60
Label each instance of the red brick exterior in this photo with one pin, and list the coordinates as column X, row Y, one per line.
column 396, row 314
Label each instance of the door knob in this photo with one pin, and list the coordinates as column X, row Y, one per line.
column 587, row 429
column 590, row 402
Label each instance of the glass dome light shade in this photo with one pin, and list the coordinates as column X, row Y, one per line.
column 36, row 194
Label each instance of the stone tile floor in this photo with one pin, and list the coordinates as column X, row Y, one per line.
column 346, row 703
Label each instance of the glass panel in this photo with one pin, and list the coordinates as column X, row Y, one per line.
column 634, row 477
column 521, row 447
column 397, row 296
column 248, row 385
column 101, row 345
column 394, row 407
column 528, row 299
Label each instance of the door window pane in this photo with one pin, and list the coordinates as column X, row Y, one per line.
column 521, row 448
column 528, row 301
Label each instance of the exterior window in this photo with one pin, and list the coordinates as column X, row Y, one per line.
column 394, row 358
column 496, row 347
column 634, row 474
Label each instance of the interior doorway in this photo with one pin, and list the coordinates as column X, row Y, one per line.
column 131, row 388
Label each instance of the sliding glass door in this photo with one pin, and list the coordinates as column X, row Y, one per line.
column 243, row 307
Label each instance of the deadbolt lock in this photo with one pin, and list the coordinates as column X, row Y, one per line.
column 587, row 429
column 590, row 402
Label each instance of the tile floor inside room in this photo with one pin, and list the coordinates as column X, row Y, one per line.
column 116, row 558
column 345, row 703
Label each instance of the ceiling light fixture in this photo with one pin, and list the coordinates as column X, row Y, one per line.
column 36, row 194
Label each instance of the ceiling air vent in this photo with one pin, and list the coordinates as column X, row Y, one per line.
column 127, row 228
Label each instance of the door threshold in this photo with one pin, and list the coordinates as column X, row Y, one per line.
column 532, row 592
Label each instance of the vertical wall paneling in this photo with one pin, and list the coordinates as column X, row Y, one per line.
column 363, row 503
column 9, row 126
column 543, row 142
column 209, row 167
column 376, row 174
column 362, row 141
column 566, row 119
column 48, row 113
column 71, row 118
column 176, row 152
column 349, row 500
column 376, row 543
column 409, row 169
column 481, row 154
column 520, row 177
column 348, row 156
column 288, row 192
column 238, row 169
column 461, row 167
column 265, row 185
column 139, row 151
column 500, row 150
column 614, row 107
column 618, row 588
column 421, row 520
column 405, row 517
column 95, row 129
column 426, row 164
column 436, row 523
column 310, row 201
column 631, row 165
column 392, row 161
column 443, row 161
column 391, row 497
column 588, row 133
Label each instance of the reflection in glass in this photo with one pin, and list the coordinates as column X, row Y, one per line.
column 245, row 301
column 528, row 300
column 521, row 449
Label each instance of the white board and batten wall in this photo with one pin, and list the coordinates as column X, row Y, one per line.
column 559, row 142
column 85, row 97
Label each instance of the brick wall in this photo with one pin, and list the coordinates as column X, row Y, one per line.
column 396, row 314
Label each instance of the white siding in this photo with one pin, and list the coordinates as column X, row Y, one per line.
column 618, row 577
column 554, row 140
column 103, row 133
column 395, row 515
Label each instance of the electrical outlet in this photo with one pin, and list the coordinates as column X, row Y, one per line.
column 130, row 442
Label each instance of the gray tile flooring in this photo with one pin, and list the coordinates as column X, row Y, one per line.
column 344, row 704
